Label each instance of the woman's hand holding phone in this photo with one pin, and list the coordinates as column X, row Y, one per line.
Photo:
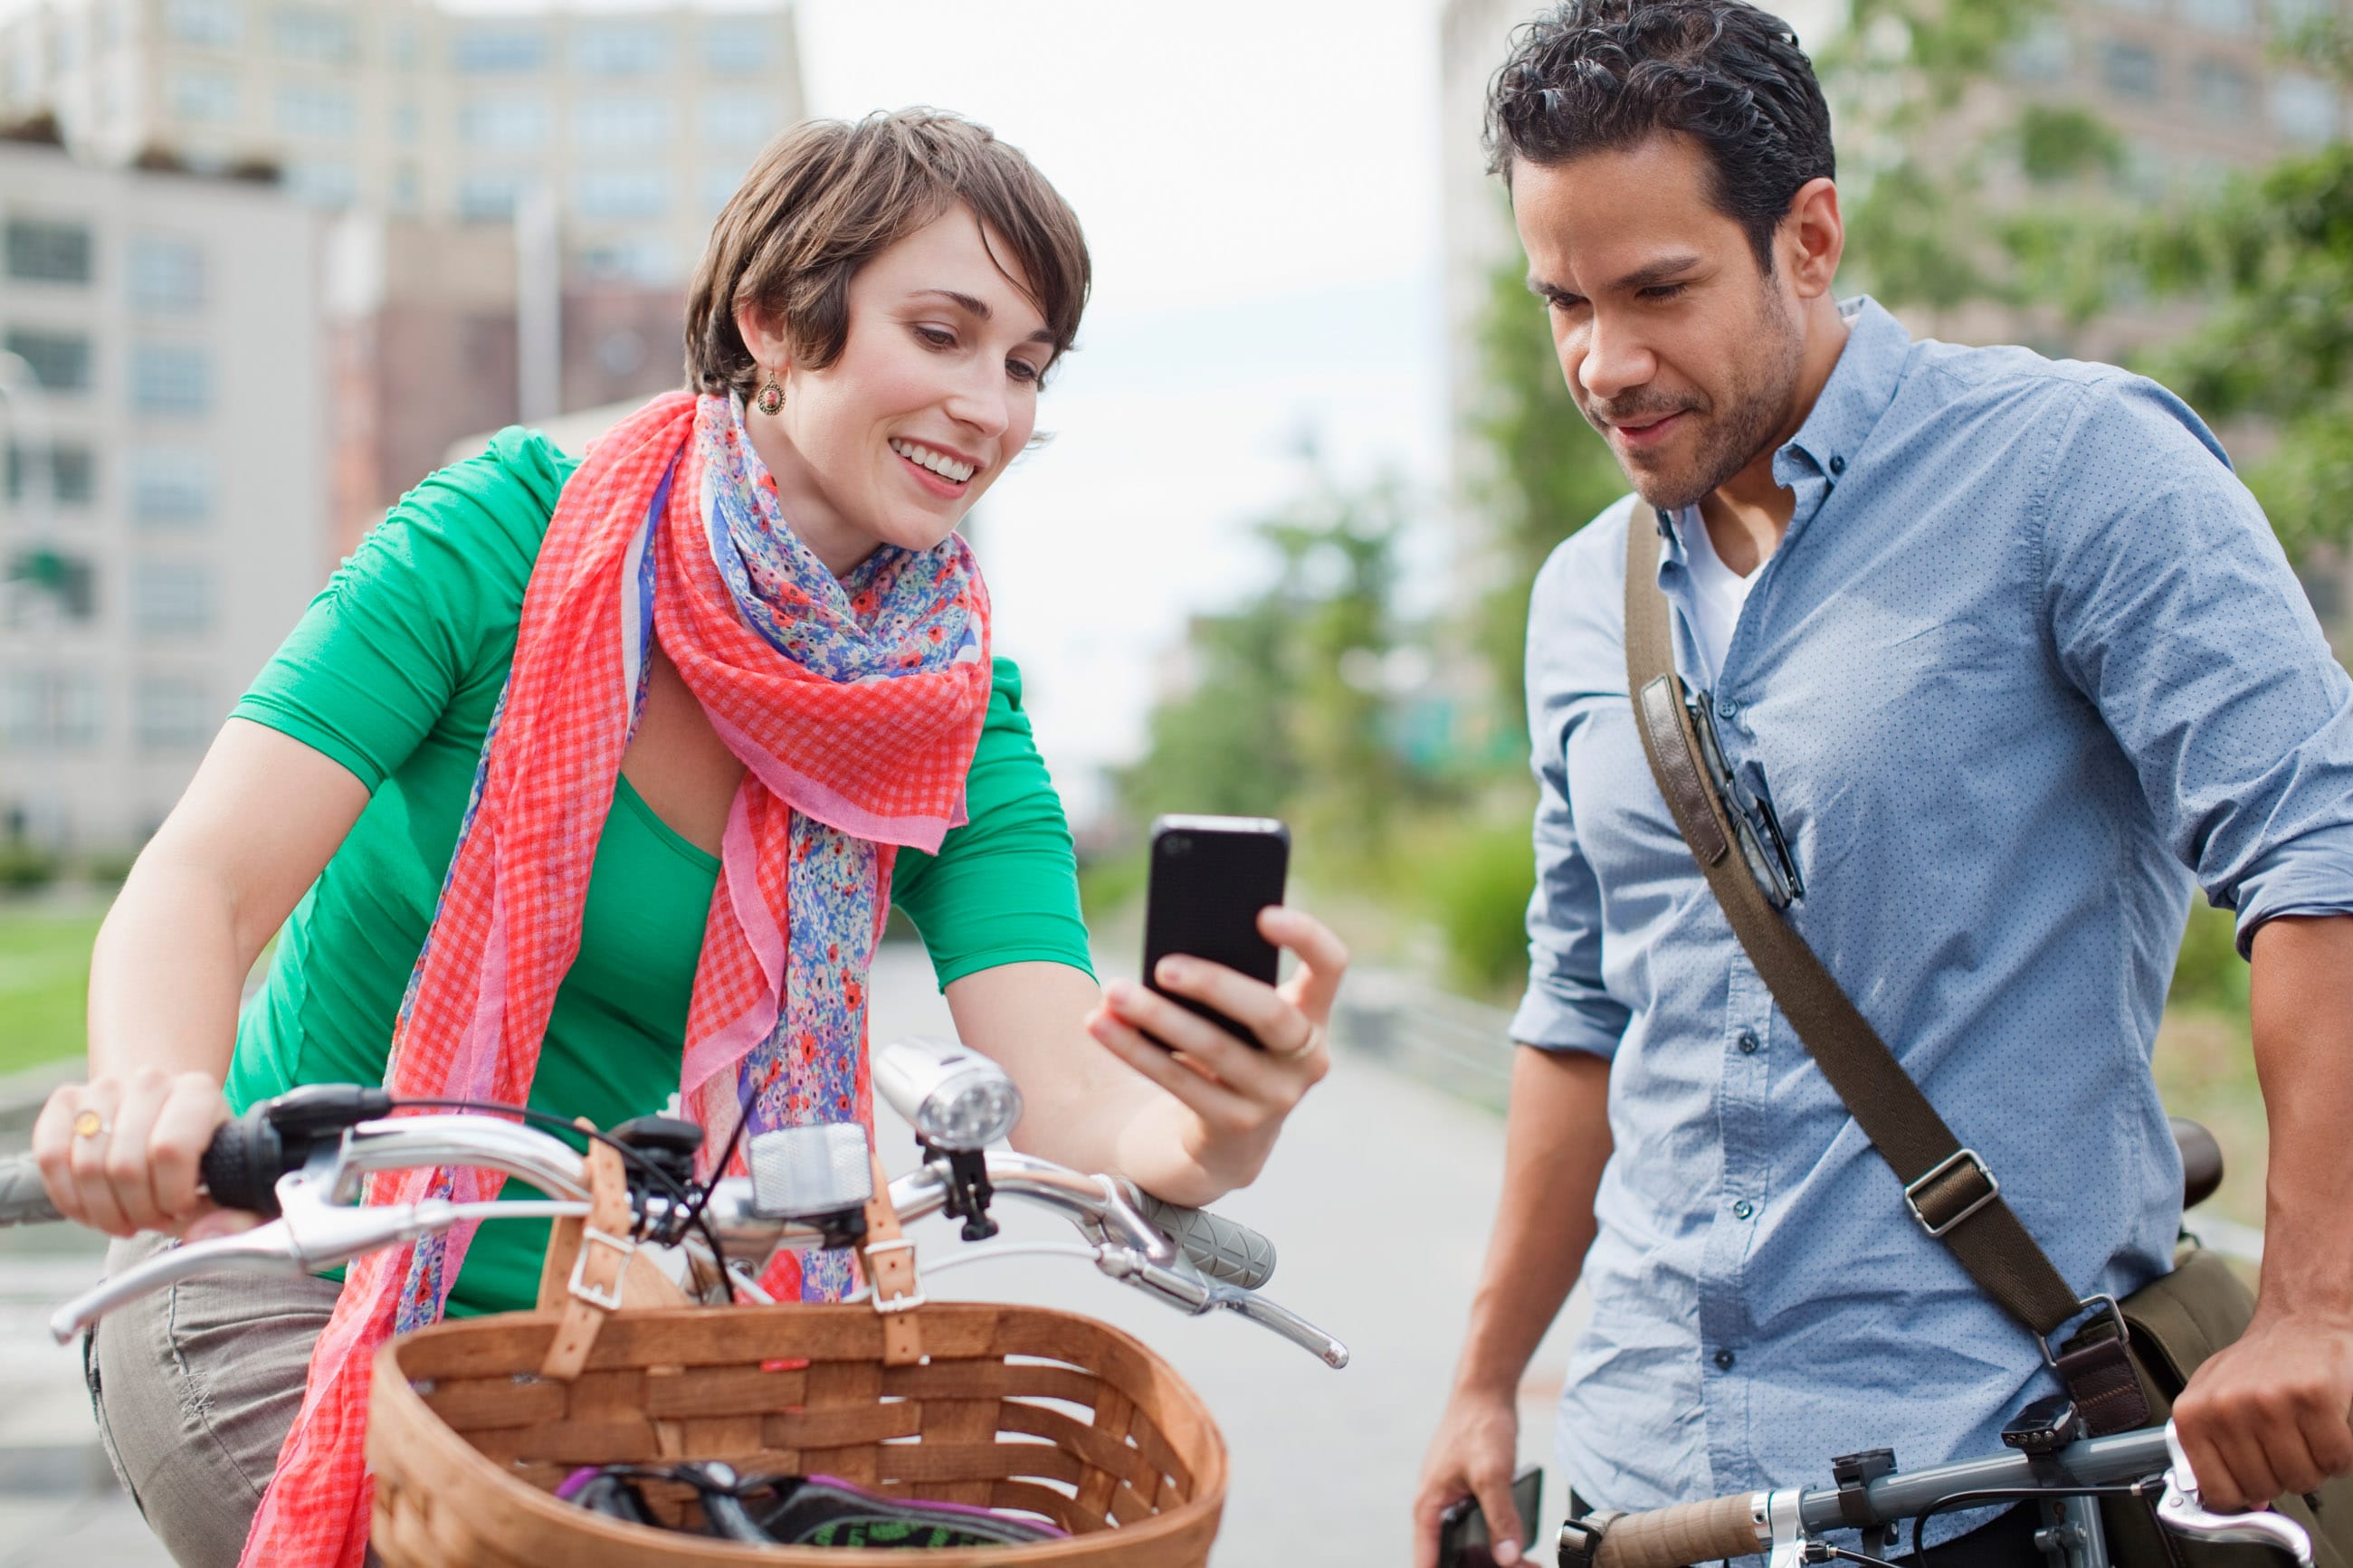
column 1231, row 1098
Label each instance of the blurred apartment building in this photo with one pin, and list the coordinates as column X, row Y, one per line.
column 161, row 523
column 2193, row 89
column 637, row 123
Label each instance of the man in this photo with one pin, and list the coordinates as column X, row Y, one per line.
column 2014, row 658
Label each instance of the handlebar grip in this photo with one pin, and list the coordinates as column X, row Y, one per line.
column 24, row 1200
column 1222, row 1248
column 1688, row 1533
column 241, row 1166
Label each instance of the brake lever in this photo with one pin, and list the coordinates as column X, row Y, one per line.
column 1184, row 1287
column 2183, row 1512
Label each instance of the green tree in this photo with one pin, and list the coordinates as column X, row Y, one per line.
column 1546, row 472
column 1284, row 711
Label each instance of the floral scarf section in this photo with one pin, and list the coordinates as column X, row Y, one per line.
column 854, row 705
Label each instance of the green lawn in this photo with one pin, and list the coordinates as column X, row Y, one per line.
column 44, row 979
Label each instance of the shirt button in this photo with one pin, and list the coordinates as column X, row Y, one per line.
column 1743, row 1209
column 1838, row 464
column 1747, row 1042
column 1724, row 1361
column 1727, row 708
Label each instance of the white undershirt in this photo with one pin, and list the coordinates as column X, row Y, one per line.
column 1717, row 592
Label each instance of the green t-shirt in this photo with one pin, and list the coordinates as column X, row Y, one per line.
column 394, row 672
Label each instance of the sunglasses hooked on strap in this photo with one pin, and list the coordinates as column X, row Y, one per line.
column 1753, row 825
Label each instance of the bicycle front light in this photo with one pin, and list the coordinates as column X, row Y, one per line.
column 953, row 1097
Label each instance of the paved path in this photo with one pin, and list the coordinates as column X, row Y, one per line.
column 1378, row 1200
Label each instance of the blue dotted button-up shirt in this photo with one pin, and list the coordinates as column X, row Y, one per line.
column 2028, row 662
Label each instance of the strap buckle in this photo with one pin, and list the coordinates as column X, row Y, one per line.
column 886, row 1305
column 2089, row 1303
column 602, row 1297
column 1914, row 1192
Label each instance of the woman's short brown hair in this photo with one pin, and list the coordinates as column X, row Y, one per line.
column 827, row 196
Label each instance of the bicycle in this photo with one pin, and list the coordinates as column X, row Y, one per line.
column 2051, row 1463
column 299, row 1160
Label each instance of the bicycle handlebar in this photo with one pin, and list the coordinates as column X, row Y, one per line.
column 23, row 1199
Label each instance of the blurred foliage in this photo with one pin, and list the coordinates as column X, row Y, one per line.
column 2210, row 973
column 1549, row 472
column 24, row 868
column 44, row 986
column 1474, row 877
column 1282, row 713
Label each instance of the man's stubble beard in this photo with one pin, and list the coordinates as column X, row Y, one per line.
column 1754, row 409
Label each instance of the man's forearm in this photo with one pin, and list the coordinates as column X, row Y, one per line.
column 2302, row 1005
column 1555, row 1141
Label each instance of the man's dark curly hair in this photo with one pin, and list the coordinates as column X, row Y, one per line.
column 1599, row 75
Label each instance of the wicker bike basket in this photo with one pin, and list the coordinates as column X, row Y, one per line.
column 1000, row 1407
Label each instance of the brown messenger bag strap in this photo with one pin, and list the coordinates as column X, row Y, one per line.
column 1948, row 1189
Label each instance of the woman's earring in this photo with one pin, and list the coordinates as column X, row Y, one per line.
column 771, row 397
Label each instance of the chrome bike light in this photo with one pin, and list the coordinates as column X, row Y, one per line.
column 806, row 1173
column 953, row 1097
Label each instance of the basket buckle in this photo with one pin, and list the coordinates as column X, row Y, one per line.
column 604, row 1298
column 887, row 1305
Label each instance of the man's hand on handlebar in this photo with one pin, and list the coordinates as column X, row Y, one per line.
column 1472, row 1455
column 2271, row 1414
column 120, row 1154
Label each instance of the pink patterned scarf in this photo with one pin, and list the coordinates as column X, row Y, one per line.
column 854, row 705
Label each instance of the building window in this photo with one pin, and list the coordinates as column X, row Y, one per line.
column 167, row 275
column 648, row 260
column 404, row 124
column 619, row 48
column 402, row 39
column 53, row 708
column 719, row 186
column 500, row 51
column 202, row 24
column 509, row 123
column 68, row 477
column 208, row 98
column 2231, row 19
column 2041, row 51
column 2224, row 93
column 44, row 251
column 490, row 198
column 740, row 120
column 170, row 378
column 322, row 113
column 621, row 194
column 2304, row 108
column 321, row 185
column 172, row 713
column 171, row 598
column 2131, row 70
column 314, row 33
column 60, row 362
column 736, row 48
column 171, row 487
column 632, row 122
column 407, row 195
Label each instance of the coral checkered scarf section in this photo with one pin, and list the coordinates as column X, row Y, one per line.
column 854, row 705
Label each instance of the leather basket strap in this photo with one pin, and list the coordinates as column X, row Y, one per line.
column 1949, row 1191
column 602, row 1253
column 888, row 1259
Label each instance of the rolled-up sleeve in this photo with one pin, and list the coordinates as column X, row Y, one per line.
column 1566, row 1007
column 2173, row 609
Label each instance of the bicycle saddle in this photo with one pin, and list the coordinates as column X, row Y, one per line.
column 2202, row 1160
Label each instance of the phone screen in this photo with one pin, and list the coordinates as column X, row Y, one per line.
column 1463, row 1538
column 1210, row 878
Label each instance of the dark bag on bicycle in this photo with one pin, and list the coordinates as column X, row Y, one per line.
column 2126, row 1367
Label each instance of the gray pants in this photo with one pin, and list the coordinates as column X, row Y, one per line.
column 194, row 1388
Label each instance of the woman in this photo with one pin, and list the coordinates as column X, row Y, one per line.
column 594, row 783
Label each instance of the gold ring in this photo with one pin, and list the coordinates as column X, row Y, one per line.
column 1304, row 1048
column 89, row 1125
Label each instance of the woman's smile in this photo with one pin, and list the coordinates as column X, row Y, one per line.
column 939, row 470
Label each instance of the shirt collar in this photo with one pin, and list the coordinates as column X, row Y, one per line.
column 1861, row 386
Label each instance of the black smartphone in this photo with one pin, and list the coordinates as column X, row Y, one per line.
column 1210, row 878
column 1463, row 1539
